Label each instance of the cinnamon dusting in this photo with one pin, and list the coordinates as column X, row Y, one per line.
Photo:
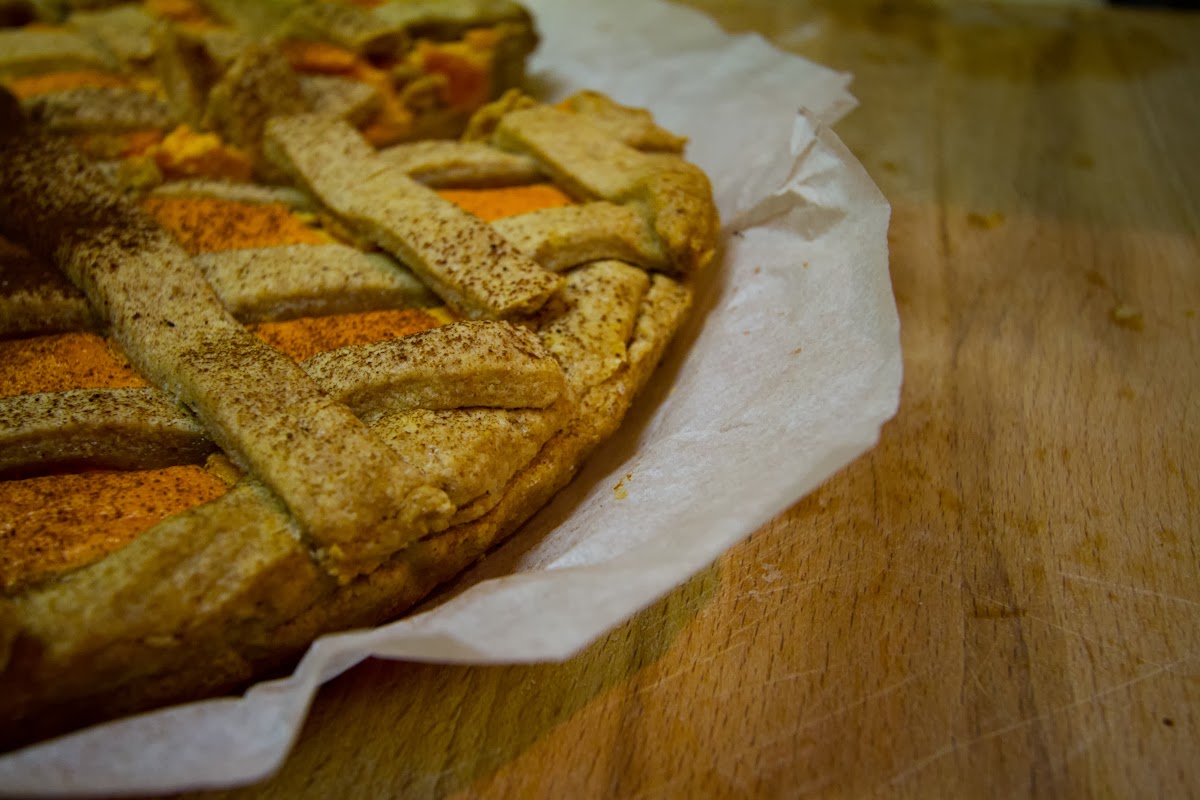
column 61, row 362
column 304, row 338
column 56, row 523
column 210, row 224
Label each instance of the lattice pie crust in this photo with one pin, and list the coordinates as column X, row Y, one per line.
column 365, row 475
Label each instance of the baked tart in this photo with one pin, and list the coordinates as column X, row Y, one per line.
column 267, row 372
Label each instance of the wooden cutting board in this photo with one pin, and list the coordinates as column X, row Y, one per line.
column 1002, row 598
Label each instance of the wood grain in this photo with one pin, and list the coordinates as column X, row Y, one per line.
column 1001, row 599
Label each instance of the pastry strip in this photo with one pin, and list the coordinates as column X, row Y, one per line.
column 273, row 283
column 36, row 298
column 264, row 284
column 446, row 163
column 347, row 26
column 633, row 126
column 354, row 101
column 126, row 31
column 119, row 428
column 24, row 52
column 471, row 452
column 466, row 262
column 589, row 163
column 258, row 85
column 239, row 192
column 561, row 238
column 490, row 364
column 234, row 563
column 587, row 331
column 99, row 108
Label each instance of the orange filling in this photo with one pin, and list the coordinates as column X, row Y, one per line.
column 184, row 153
column 210, row 224
column 59, row 522
column 62, row 362
column 179, row 154
column 304, row 338
column 493, row 204
column 33, row 85
column 464, row 69
column 392, row 122
column 55, row 523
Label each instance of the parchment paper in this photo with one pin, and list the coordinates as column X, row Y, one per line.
column 788, row 371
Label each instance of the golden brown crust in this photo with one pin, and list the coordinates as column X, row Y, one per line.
column 446, row 163
column 468, row 264
column 485, row 420
column 632, row 126
column 284, row 282
column 561, row 238
column 113, row 428
column 590, row 163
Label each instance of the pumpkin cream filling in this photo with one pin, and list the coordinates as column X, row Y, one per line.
column 60, row 522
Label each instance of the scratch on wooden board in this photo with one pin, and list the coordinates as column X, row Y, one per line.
column 1031, row 617
column 954, row 746
column 756, row 748
column 805, row 724
column 1127, row 588
column 800, row 673
column 813, row 583
column 690, row 668
column 976, row 672
column 1128, row 651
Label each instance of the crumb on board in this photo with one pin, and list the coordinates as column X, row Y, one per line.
column 1128, row 317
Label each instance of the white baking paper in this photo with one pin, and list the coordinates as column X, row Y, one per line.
column 789, row 369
